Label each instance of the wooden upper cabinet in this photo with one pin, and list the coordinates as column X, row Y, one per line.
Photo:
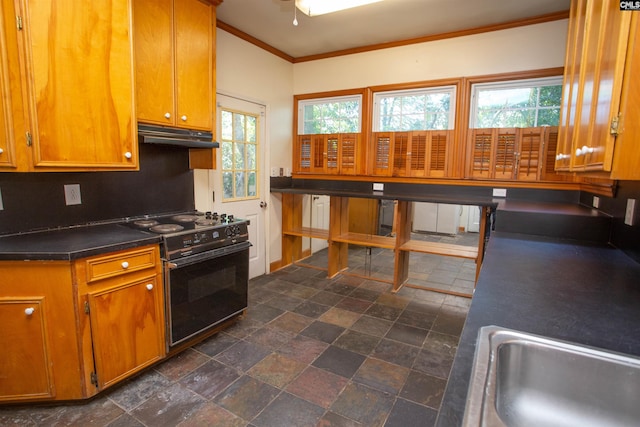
column 520, row 154
column 78, row 63
column 9, row 84
column 598, row 102
column 174, row 50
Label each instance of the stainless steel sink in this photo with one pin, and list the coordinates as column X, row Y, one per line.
column 520, row 379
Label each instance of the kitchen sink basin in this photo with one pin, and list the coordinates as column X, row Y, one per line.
column 520, row 379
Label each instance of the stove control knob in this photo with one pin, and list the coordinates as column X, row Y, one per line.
column 228, row 231
column 230, row 218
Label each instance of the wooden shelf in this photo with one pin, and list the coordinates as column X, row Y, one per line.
column 438, row 248
column 314, row 233
column 366, row 240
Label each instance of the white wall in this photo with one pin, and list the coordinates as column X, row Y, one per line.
column 245, row 70
column 518, row 49
column 251, row 73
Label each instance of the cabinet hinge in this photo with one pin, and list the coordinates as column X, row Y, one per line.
column 86, row 307
column 19, row 22
column 29, row 139
column 615, row 125
column 94, row 379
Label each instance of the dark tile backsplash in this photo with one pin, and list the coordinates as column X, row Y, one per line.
column 34, row 201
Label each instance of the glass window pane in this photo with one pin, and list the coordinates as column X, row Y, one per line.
column 226, row 125
column 330, row 115
column 251, row 156
column 252, row 188
column 550, row 117
column 239, row 156
column 227, row 185
column 238, row 126
column 251, row 129
column 227, row 155
column 240, row 184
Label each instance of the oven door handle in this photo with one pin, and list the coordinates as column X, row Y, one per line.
column 208, row 255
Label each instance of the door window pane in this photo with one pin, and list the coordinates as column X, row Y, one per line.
column 239, row 147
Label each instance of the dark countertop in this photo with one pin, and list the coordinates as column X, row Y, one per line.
column 73, row 243
column 565, row 290
column 453, row 198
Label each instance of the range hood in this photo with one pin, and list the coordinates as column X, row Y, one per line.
column 149, row 134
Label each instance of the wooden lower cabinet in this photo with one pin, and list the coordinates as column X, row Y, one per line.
column 68, row 333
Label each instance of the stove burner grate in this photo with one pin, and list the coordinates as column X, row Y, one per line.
column 145, row 223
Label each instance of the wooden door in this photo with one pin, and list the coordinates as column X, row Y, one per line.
column 24, row 359
column 127, row 328
column 194, row 28
column 153, row 37
column 7, row 40
column 79, row 63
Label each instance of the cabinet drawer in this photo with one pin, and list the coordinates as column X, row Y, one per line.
column 103, row 267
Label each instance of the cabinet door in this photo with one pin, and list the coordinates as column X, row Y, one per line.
column 194, row 28
column 401, row 154
column 480, row 152
column 153, row 37
column 381, row 160
column 530, row 157
column 349, row 153
column 127, row 328
column 303, row 154
column 24, row 361
column 7, row 34
column 318, row 154
column 332, row 150
column 78, row 60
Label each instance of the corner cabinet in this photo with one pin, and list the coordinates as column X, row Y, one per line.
column 71, row 329
column 598, row 131
column 174, row 45
column 76, row 66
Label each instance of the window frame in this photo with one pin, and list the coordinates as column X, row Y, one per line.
column 451, row 88
column 476, row 87
column 301, row 103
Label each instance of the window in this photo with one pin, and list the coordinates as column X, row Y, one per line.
column 520, row 103
column 239, row 147
column 416, row 109
column 330, row 115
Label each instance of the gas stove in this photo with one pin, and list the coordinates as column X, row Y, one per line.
column 190, row 233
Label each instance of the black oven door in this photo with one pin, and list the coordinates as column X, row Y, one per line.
column 205, row 289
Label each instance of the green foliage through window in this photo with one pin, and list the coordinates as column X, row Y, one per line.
column 239, row 149
column 420, row 109
column 330, row 115
column 525, row 103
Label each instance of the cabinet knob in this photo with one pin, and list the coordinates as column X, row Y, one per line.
column 125, row 265
column 167, row 115
column 29, row 311
column 149, row 286
column 183, row 118
column 128, row 154
column 1, row 151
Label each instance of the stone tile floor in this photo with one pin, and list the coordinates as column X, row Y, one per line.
column 310, row 352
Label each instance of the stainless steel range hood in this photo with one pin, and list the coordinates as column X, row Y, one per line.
column 149, row 134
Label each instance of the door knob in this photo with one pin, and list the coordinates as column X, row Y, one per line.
column 263, row 204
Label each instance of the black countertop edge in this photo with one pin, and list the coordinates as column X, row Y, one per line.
column 585, row 294
column 455, row 199
column 73, row 243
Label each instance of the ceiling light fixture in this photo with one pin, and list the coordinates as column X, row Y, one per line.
column 320, row 7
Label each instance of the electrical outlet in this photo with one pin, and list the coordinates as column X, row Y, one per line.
column 72, row 194
column 378, row 186
column 596, row 202
column 275, row 171
column 630, row 212
column 1, row 204
column 287, row 171
column 499, row 192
